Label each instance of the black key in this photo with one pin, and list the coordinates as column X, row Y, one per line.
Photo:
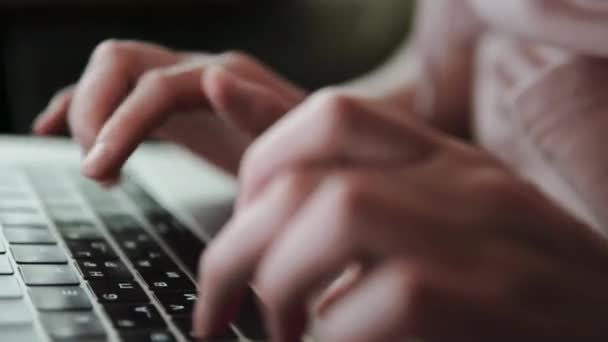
column 148, row 336
column 134, row 316
column 118, row 291
column 153, row 264
column 154, row 253
column 5, row 265
column 137, row 245
column 168, row 281
column 178, row 304
column 185, row 326
column 104, row 269
column 249, row 320
column 73, row 326
column 47, row 275
column 94, row 249
column 60, row 299
column 29, row 236
column 38, row 254
column 182, row 241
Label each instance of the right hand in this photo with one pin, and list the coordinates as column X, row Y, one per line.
column 130, row 91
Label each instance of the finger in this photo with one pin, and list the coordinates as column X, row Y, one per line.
column 313, row 249
column 339, row 287
column 53, row 120
column 254, row 71
column 113, row 68
column 231, row 260
column 386, row 291
column 332, row 128
column 164, row 90
column 156, row 94
column 251, row 107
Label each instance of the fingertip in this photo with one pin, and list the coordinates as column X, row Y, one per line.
column 42, row 125
column 95, row 163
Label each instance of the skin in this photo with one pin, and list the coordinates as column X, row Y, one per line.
column 440, row 240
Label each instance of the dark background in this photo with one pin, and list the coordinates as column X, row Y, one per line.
column 44, row 45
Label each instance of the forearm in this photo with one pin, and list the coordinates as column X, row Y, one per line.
column 431, row 73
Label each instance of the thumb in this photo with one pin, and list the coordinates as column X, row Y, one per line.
column 251, row 107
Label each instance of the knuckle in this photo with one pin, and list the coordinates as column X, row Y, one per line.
column 340, row 112
column 294, row 181
column 110, row 49
column 156, row 79
column 335, row 102
column 235, row 57
column 350, row 191
column 63, row 94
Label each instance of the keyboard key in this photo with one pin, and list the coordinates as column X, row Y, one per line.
column 68, row 215
column 148, row 336
column 168, row 281
column 9, row 288
column 182, row 241
column 178, row 304
column 73, row 326
column 95, row 249
column 2, row 247
column 48, row 275
column 112, row 291
column 121, row 224
column 104, row 269
column 79, row 231
column 29, row 236
column 60, row 299
column 185, row 326
column 38, row 254
column 23, row 218
column 136, row 245
column 153, row 264
column 5, row 265
column 134, row 317
column 14, row 311
column 19, row 332
column 27, row 205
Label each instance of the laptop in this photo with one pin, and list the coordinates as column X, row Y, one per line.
column 82, row 263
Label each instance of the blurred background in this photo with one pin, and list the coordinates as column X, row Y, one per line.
column 45, row 44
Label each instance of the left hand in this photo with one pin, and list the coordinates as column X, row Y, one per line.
column 449, row 244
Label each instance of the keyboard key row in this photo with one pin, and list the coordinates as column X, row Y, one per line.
column 113, row 291
column 104, row 269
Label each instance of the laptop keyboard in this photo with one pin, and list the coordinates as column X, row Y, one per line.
column 79, row 263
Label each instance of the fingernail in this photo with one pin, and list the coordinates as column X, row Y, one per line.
column 92, row 166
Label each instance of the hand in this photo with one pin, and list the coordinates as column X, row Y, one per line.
column 448, row 244
column 130, row 89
